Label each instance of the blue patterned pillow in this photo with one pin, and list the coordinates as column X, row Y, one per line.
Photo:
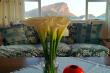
column 79, row 32
column 95, row 33
column 19, row 34
column 31, row 35
column 88, row 32
column 14, row 35
column 85, row 33
column 72, row 30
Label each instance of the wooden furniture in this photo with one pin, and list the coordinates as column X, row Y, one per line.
column 1, row 39
column 106, row 43
column 11, row 64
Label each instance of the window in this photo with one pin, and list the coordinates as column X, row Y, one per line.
column 32, row 8
column 75, row 9
column 96, row 9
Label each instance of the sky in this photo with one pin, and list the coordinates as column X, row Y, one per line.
column 77, row 7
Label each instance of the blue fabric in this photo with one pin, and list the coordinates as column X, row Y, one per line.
column 87, row 40
column 20, row 34
column 85, row 33
column 14, row 35
column 79, row 32
column 95, row 33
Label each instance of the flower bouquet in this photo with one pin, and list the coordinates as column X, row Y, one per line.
column 50, row 31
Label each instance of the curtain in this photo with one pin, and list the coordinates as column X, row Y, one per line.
column 11, row 11
column 108, row 17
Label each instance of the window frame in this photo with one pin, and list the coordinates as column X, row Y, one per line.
column 39, row 6
column 86, row 12
column 87, row 1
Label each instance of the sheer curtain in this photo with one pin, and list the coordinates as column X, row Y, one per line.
column 11, row 11
column 108, row 17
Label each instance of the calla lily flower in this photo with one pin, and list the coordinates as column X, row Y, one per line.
column 52, row 28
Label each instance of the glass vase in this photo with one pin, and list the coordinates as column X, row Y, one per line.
column 50, row 67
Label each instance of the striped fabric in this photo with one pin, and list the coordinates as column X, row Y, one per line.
column 95, row 33
column 84, row 33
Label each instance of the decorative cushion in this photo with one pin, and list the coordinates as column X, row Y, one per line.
column 67, row 40
column 14, row 35
column 73, row 31
column 95, row 33
column 79, row 31
column 85, row 33
column 30, row 50
column 31, row 35
column 87, row 50
column 20, row 34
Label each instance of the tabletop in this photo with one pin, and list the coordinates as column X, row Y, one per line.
column 8, row 65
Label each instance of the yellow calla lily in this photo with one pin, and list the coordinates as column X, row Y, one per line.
column 51, row 27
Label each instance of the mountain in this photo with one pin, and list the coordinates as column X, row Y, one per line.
column 81, row 17
column 61, row 9
column 73, row 17
column 32, row 13
column 53, row 9
column 58, row 8
column 90, row 16
column 102, row 16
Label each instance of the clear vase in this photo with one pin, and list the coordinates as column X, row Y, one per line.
column 50, row 67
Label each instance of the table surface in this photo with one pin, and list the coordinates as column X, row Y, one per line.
column 11, row 64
